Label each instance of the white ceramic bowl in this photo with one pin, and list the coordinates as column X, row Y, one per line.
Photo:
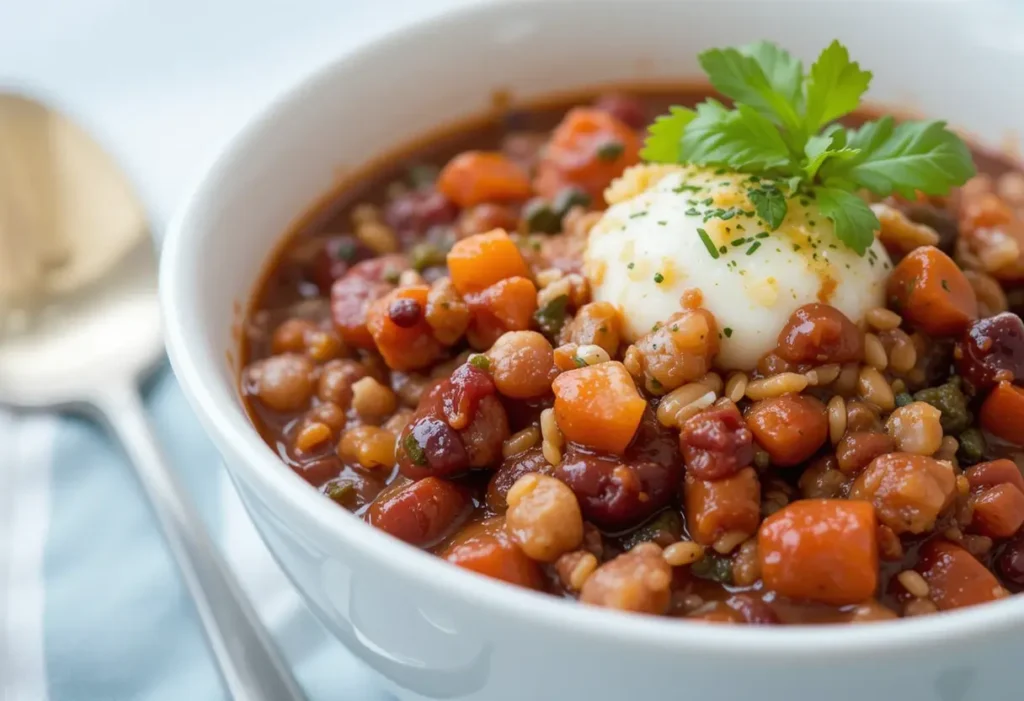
column 436, row 631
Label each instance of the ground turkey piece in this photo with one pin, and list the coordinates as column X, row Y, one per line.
column 639, row 580
column 716, row 443
column 908, row 491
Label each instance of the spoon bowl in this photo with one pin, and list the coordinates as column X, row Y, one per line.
column 84, row 329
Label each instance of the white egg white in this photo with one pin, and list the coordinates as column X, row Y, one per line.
column 693, row 230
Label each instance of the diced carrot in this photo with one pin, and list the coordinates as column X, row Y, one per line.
column 998, row 511
column 598, row 406
column 589, row 149
column 955, row 579
column 727, row 505
column 932, row 293
column 989, row 474
column 404, row 347
column 1002, row 413
column 507, row 305
column 822, row 550
column 489, row 551
column 353, row 293
column 421, row 513
column 474, row 177
column 477, row 262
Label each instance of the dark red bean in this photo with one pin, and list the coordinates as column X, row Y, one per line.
column 716, row 443
column 618, row 492
column 461, row 393
column 417, row 211
column 991, row 350
column 754, row 610
column 625, row 108
column 1011, row 561
column 430, row 447
column 819, row 333
column 405, row 312
column 512, row 468
column 422, row 513
column 486, row 432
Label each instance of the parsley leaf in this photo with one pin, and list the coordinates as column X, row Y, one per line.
column 904, row 158
column 741, row 78
column 662, row 144
column 781, row 132
column 834, row 87
column 741, row 138
column 770, row 204
column 854, row 221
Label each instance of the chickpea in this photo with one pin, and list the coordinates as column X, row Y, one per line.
column 290, row 336
column 284, row 382
column 328, row 414
column 543, row 517
column 823, row 481
column 336, row 380
column 915, row 428
column 372, row 400
column 639, row 580
column 857, row 449
column 522, row 364
column 370, row 446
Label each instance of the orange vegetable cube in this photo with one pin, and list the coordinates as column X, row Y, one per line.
column 1002, row 414
column 998, row 511
column 726, row 505
column 598, row 406
column 477, row 262
column 993, row 472
column 475, row 177
column 932, row 293
column 821, row 550
column 955, row 579
column 408, row 344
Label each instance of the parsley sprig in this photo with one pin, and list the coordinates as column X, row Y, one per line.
column 781, row 129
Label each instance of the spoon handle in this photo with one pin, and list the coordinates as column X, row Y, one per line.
column 251, row 666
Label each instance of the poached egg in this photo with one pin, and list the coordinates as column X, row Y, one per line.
column 672, row 231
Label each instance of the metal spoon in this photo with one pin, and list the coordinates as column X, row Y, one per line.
column 87, row 347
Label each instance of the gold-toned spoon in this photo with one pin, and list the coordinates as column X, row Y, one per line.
column 82, row 329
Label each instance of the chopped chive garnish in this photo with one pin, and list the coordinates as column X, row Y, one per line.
column 756, row 245
column 707, row 243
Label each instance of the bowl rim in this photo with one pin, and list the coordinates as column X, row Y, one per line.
column 195, row 364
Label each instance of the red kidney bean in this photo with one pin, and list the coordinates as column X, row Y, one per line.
column 753, row 609
column 819, row 333
column 422, row 513
column 625, row 108
column 405, row 312
column 429, row 446
column 618, row 492
column 991, row 350
column 416, row 211
column 716, row 443
column 1010, row 562
column 514, row 467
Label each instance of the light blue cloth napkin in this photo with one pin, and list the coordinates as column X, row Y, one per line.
column 114, row 620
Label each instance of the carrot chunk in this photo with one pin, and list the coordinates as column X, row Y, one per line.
column 821, row 550
column 589, row 149
column 475, row 177
column 998, row 511
column 955, row 579
column 726, row 505
column 486, row 549
column 598, row 406
column 398, row 325
column 477, row 262
column 989, row 474
column 1002, row 414
column 932, row 292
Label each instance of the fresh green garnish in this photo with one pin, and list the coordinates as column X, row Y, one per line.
column 480, row 362
column 551, row 317
column 414, row 450
column 780, row 130
column 610, row 150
